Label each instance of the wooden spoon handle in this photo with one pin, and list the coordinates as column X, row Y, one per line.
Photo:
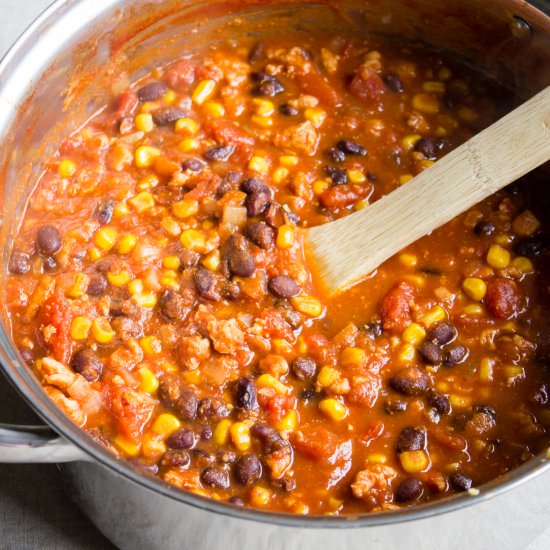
column 346, row 250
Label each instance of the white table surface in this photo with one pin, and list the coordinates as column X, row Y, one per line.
column 518, row 520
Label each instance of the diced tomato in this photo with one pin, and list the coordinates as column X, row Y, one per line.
column 227, row 133
column 181, row 76
column 275, row 325
column 56, row 312
column 340, row 196
column 503, row 299
column 445, row 438
column 314, row 84
column 364, row 390
column 368, row 86
column 395, row 308
column 132, row 409
column 126, row 104
column 319, row 347
column 322, row 445
column 275, row 404
column 374, row 431
column 206, row 187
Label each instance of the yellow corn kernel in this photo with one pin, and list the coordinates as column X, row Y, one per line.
column 121, row 210
column 308, row 305
column 475, row 288
column 126, row 244
column 269, row 381
column 408, row 260
column 285, row 236
column 377, row 458
column 525, row 224
column 289, row 422
column 212, row 261
column 207, row 225
column 150, row 345
column 410, row 141
column 320, row 186
column 512, row 372
column 149, row 383
column 240, row 436
column 523, row 265
column 145, row 156
column 259, row 165
column 498, row 257
column 214, row 109
column 192, row 376
column 148, row 107
column 406, row 354
column 352, row 356
column 433, row 86
column 414, row 334
column 316, row 116
column 135, row 286
column 193, row 240
column 204, row 91
column 280, row 174
column 361, row 204
column 263, row 107
column 486, row 369
column 188, row 145
column 142, row 201
column 79, row 287
column 186, row 126
column 146, row 299
column 259, row 496
column 66, row 168
column 152, row 447
column 460, row 401
column 302, row 346
column 105, row 238
column 333, row 409
column 289, row 161
column 171, row 226
column 121, row 278
column 144, row 122
column 467, row 114
column 171, row 262
column 221, row 431
column 356, row 176
column 474, row 309
column 166, row 366
column 95, row 254
column 405, row 178
column 281, row 346
column 262, row 121
column 425, row 104
column 432, row 317
column 102, row 330
column 185, row 208
column 327, row 376
column 166, row 424
column 129, row 448
column 503, row 239
column 170, row 96
column 169, row 282
column 80, row 327
column 414, row 462
column 146, row 183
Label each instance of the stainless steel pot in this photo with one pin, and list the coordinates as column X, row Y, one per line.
column 56, row 76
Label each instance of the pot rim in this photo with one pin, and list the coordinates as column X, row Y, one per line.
column 29, row 387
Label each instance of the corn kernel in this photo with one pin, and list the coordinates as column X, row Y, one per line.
column 425, row 104
column 320, row 186
column 102, row 330
column 302, row 346
column 126, row 244
column 503, row 239
column 408, row 260
column 105, row 238
column 263, row 107
column 361, row 204
column 460, row 401
column 377, row 458
column 285, row 236
column 467, row 114
column 444, row 73
column 351, row 356
column 79, row 287
column 186, row 126
column 512, row 372
column 193, row 240
column 146, row 299
column 259, row 165
column 474, row 309
column 333, row 409
column 152, row 447
column 289, row 161
column 280, row 175
column 169, row 282
column 240, row 436
column 214, row 109
column 148, row 107
column 170, row 96
column 410, row 141
column 149, row 383
column 327, row 376
column 259, row 496
column 145, row 156
column 150, row 345
column 262, row 121
column 121, row 278
column 192, row 376
column 188, row 145
column 171, row 226
column 95, row 254
column 171, row 262
column 221, row 431
column 212, row 261
column 406, row 354
column 475, row 288
column 414, row 334
column 204, row 91
column 525, row 224
column 80, row 327
column 523, row 265
column 432, row 317
column 129, row 448
column 185, row 208
column 144, row 122
column 308, row 305
column 66, row 168
column 142, row 201
column 498, row 257
column 316, row 116
column 146, row 183
column 486, row 369
column 166, row 366
column 289, row 422
column 434, row 86
column 281, row 347
column 356, row 176
column 165, row 425
column 405, row 178
column 414, row 462
column 269, row 381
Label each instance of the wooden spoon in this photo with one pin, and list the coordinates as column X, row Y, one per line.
column 346, row 250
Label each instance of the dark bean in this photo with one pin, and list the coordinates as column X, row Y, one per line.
column 409, row 489
column 540, row 396
column 231, row 290
column 430, row 352
column 20, row 263
column 442, row 333
column 189, row 258
column 169, row 390
column 193, row 165
column 176, row 458
column 410, row 381
column 255, row 185
column 246, row 396
column 275, row 215
column 374, row 329
column 486, row 409
column 97, row 286
column 86, row 363
column 248, row 469
column 236, row 501
column 308, row 394
column 429, row 147
column 205, row 284
column 288, row 110
column 187, row 404
column 152, row 91
column 484, row 228
column 221, row 153
column 105, row 212
column 393, row 82
column 182, row 439
column 411, row 439
column 256, row 203
column 240, row 260
column 337, row 175
column 439, row 402
column 256, row 52
column 395, row 406
column 336, row 155
column 216, row 477
column 268, row 85
column 27, row 356
column 286, row 484
column 226, row 457
column 167, row 115
column 304, row 368
column 202, row 458
column 455, row 356
column 532, row 246
column 350, row 147
column 206, row 433
column 49, row 263
column 48, row 240
column 460, row 482
column 283, row 286
column 172, row 305
column 265, row 433
column 212, row 408
column 261, row 235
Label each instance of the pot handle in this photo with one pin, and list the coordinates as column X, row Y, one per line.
column 36, row 444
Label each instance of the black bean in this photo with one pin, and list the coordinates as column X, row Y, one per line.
column 152, row 91
column 167, row 115
column 105, row 212
column 255, row 185
column 336, row 155
column 268, row 435
column 231, row 290
column 429, row 147
column 257, row 203
column 193, row 165
column 393, row 82
column 338, row 176
column 532, row 246
column 246, row 396
column 288, row 110
column 283, row 286
column 49, row 263
column 268, row 85
column 460, row 482
column 86, row 363
column 455, row 356
column 540, row 396
column 411, row 439
column 20, row 263
column 169, row 391
column 248, row 469
column 182, row 439
column 439, row 402
column 486, row 409
column 206, row 433
column 409, row 489
column 48, row 240
column 374, row 329
column 221, row 153
column 442, row 333
column 205, row 284
column 172, row 305
column 304, row 368
column 261, row 235
column 395, row 406
column 27, row 356
column 410, row 381
column 484, row 228
column 98, row 285
column 240, row 260
column 275, row 215
column 216, row 477
column 176, row 458
column 256, row 52
column 189, row 258
column 187, row 404
column 350, row 147
column 308, row 394
column 212, row 408
column 430, row 352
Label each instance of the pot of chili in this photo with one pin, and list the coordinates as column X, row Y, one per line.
column 158, row 313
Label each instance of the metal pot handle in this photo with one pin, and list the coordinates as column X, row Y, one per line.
column 36, row 444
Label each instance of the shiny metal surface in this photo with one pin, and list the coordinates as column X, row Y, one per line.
column 78, row 37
